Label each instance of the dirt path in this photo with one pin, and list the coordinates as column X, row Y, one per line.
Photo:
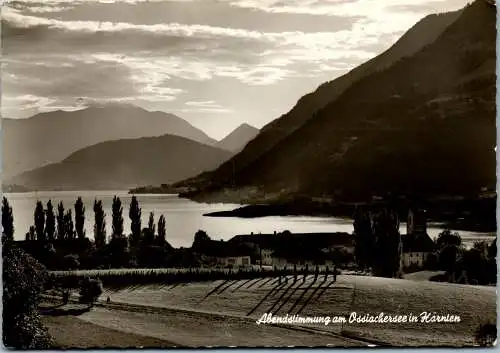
column 198, row 329
column 71, row 332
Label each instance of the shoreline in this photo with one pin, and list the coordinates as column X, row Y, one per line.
column 260, row 211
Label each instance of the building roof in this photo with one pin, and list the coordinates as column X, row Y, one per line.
column 226, row 249
column 275, row 241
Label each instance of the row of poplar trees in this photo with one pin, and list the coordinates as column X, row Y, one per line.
column 50, row 225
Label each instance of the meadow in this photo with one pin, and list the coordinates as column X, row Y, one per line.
column 223, row 311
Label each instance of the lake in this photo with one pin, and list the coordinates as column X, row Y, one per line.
column 185, row 217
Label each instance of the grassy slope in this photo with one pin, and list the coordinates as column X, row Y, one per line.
column 250, row 299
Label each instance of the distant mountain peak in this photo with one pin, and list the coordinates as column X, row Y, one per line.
column 245, row 126
column 238, row 138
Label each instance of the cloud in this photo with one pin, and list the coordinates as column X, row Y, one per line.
column 196, row 57
column 368, row 8
column 205, row 110
column 204, row 104
column 19, row 20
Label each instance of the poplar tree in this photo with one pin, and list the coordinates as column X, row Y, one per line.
column 135, row 221
column 68, row 225
column 99, row 224
column 39, row 218
column 80, row 218
column 117, row 214
column 7, row 221
column 50, row 221
column 162, row 232
column 61, row 232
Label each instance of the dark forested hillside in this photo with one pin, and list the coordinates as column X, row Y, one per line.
column 425, row 124
column 420, row 35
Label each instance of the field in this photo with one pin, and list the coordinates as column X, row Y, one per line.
column 224, row 312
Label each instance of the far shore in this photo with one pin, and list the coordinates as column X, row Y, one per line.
column 345, row 211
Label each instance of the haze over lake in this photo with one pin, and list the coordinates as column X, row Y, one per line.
column 184, row 217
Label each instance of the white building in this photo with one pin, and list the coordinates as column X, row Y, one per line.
column 417, row 245
column 234, row 261
column 414, row 258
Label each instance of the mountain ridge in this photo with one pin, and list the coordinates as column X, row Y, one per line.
column 52, row 136
column 124, row 164
column 359, row 132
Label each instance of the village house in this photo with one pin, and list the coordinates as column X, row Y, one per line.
column 226, row 254
column 234, row 261
column 280, row 249
column 416, row 243
column 262, row 246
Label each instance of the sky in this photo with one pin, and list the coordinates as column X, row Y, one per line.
column 215, row 63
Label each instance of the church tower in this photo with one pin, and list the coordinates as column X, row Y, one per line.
column 417, row 222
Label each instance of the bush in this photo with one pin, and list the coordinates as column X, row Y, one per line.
column 90, row 290
column 71, row 262
column 486, row 334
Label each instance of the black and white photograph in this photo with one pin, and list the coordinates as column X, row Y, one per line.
column 248, row 173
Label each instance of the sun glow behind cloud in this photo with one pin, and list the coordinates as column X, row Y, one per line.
column 169, row 54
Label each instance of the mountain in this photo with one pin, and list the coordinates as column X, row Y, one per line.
column 424, row 125
column 423, row 33
column 124, row 164
column 49, row 137
column 238, row 138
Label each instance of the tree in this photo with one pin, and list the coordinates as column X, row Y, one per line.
column 50, row 221
column 31, row 234
column 117, row 214
column 446, row 237
column 61, row 232
column 39, row 221
column 475, row 265
column 432, row 262
column 99, row 224
column 7, row 221
column 118, row 243
column 162, row 231
column 448, row 257
column 23, row 279
column 135, row 221
column 364, row 239
column 492, row 249
column 90, row 290
column 481, row 246
column 80, row 218
column 68, row 225
column 150, row 230
column 201, row 238
column 387, row 262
